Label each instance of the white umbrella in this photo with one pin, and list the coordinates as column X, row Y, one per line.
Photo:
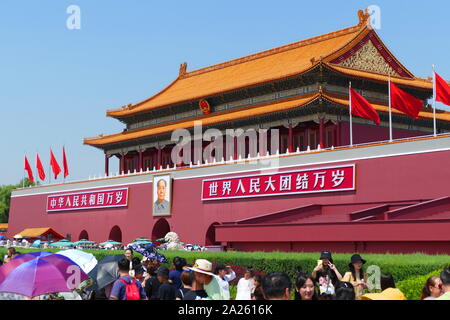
column 70, row 295
column 85, row 260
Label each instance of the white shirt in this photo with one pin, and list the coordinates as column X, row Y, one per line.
column 224, row 282
column 244, row 289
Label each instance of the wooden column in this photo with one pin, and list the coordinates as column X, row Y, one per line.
column 122, row 162
column 180, row 161
column 235, row 148
column 322, row 132
column 338, row 133
column 290, row 139
column 140, row 160
column 262, row 143
column 107, row 164
column 158, row 158
column 197, row 152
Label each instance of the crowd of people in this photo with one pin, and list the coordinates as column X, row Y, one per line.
column 148, row 280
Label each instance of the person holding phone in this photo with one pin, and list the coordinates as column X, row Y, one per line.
column 326, row 274
column 356, row 275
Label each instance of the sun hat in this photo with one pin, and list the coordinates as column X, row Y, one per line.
column 356, row 258
column 326, row 255
column 202, row 266
column 388, row 294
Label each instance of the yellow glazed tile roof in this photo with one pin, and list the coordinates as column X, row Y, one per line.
column 36, row 232
column 265, row 66
column 416, row 82
column 247, row 112
column 277, row 63
column 242, row 113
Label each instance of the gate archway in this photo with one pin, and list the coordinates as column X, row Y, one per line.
column 83, row 235
column 210, row 238
column 115, row 234
column 160, row 229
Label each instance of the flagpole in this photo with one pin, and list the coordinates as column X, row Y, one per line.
column 23, row 180
column 434, row 101
column 390, row 111
column 350, row 111
column 38, row 175
column 64, row 176
column 49, row 170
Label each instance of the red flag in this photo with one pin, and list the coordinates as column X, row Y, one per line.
column 66, row 167
column 442, row 90
column 405, row 102
column 55, row 166
column 40, row 168
column 362, row 108
column 28, row 169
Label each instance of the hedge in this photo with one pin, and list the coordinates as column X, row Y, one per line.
column 412, row 288
column 401, row 266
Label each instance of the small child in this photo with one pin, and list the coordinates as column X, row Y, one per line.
column 325, row 286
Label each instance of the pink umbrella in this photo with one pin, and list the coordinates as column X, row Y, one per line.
column 6, row 268
column 45, row 273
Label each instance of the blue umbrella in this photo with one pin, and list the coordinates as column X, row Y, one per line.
column 2, row 237
column 105, row 272
column 148, row 251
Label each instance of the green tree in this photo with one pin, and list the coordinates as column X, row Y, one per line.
column 5, row 197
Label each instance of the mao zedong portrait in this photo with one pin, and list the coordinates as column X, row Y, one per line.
column 161, row 205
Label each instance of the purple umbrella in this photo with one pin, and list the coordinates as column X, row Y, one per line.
column 6, row 268
column 46, row 273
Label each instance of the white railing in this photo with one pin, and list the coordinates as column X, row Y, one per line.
column 249, row 158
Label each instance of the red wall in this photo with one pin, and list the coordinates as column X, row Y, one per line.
column 363, row 133
column 347, row 247
column 401, row 178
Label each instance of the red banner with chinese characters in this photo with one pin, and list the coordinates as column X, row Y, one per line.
column 341, row 178
column 88, row 200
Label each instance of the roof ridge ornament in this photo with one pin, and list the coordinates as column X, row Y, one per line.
column 183, row 68
column 363, row 16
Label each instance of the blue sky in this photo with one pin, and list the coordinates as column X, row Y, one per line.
column 56, row 83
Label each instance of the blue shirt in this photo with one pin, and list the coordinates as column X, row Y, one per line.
column 119, row 288
column 174, row 276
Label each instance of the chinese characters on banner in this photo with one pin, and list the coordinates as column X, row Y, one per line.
column 88, row 200
column 328, row 179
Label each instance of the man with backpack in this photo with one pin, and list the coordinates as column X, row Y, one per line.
column 127, row 287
